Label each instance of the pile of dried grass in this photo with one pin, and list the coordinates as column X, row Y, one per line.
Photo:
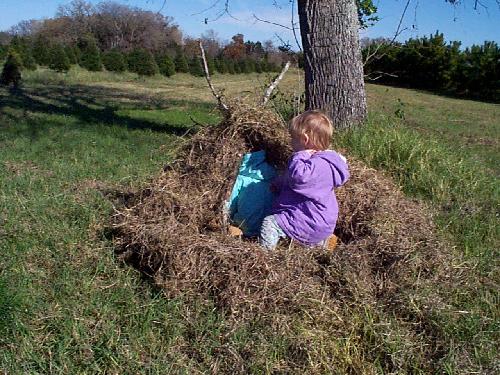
column 174, row 230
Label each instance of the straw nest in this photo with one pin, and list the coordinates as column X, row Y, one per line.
column 174, row 231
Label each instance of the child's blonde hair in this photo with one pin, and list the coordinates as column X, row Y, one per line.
column 316, row 125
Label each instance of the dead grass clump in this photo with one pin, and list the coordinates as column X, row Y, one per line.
column 175, row 232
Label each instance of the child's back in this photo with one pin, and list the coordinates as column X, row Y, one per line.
column 306, row 208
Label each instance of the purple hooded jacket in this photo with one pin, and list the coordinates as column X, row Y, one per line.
column 306, row 207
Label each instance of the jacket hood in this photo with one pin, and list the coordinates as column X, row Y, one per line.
column 338, row 165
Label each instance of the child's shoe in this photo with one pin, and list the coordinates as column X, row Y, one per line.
column 332, row 243
column 235, row 231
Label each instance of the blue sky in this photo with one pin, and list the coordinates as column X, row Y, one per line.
column 422, row 18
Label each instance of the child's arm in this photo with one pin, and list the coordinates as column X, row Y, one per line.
column 315, row 176
column 301, row 169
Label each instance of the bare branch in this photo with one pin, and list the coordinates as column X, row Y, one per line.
column 162, row 6
column 217, row 96
column 272, row 23
column 207, row 9
column 274, row 84
column 379, row 75
column 222, row 12
column 398, row 32
column 294, row 29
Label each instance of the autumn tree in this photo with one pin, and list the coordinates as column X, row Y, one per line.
column 235, row 50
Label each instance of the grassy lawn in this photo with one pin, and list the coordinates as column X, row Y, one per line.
column 67, row 305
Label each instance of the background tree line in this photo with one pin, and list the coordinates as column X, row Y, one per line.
column 431, row 63
column 119, row 37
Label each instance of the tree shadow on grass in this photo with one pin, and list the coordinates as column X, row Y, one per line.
column 92, row 105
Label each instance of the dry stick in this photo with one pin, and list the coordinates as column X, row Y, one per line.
column 275, row 83
column 222, row 105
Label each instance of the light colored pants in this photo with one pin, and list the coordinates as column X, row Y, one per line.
column 271, row 232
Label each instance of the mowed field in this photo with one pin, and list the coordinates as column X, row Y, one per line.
column 67, row 305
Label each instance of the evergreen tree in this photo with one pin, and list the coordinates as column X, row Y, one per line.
column 114, row 61
column 142, row 62
column 181, row 63
column 243, row 67
column 41, row 51
column 11, row 73
column 166, row 65
column 4, row 50
column 250, row 65
column 195, row 67
column 58, row 60
column 211, row 65
column 78, row 54
column 221, row 66
column 70, row 52
column 230, row 67
column 90, row 56
column 21, row 46
column 258, row 66
column 237, row 68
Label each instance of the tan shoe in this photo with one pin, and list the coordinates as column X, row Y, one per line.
column 235, row 231
column 332, row 242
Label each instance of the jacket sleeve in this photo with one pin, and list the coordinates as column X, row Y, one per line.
column 340, row 171
column 306, row 174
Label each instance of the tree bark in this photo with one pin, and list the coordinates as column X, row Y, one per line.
column 332, row 60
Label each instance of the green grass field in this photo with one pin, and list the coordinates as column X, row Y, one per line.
column 68, row 306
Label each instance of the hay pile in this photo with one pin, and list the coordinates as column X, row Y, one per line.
column 174, row 231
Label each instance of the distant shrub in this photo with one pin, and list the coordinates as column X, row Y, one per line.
column 58, row 60
column 114, row 61
column 210, row 65
column 230, row 67
column 41, row 51
column 70, row 52
column 237, row 68
column 4, row 50
column 90, row 58
column 221, row 66
column 195, row 67
column 258, row 67
column 11, row 73
column 181, row 63
column 78, row 53
column 250, row 65
column 142, row 62
column 22, row 47
column 166, row 65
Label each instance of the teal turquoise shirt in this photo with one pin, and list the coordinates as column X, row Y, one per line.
column 251, row 199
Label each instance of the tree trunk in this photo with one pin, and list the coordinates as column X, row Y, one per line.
column 332, row 60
